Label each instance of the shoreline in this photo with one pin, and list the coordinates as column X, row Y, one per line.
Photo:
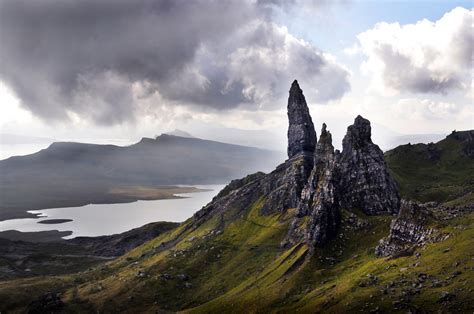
column 123, row 195
column 115, row 195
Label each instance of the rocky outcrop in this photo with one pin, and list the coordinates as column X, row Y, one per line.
column 365, row 181
column 314, row 183
column 280, row 191
column 301, row 133
column 409, row 230
column 318, row 217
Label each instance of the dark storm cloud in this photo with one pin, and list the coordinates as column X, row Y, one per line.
column 89, row 57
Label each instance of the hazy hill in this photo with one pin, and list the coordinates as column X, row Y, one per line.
column 68, row 174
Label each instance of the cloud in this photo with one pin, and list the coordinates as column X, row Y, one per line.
column 104, row 60
column 426, row 57
column 425, row 109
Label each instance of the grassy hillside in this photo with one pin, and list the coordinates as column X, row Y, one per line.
column 434, row 172
column 244, row 269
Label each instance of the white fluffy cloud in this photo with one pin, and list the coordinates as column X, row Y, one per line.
column 264, row 69
column 426, row 57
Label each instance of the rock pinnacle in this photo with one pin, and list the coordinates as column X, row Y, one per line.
column 301, row 133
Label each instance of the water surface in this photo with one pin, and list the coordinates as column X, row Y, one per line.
column 106, row 219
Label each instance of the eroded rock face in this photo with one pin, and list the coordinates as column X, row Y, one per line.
column 280, row 190
column 316, row 180
column 301, row 133
column 365, row 182
column 318, row 216
column 409, row 230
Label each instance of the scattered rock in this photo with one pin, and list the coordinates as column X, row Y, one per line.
column 166, row 276
column 183, row 277
column 446, row 297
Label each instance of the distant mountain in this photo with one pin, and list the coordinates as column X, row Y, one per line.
column 259, row 138
column 72, row 174
column 181, row 133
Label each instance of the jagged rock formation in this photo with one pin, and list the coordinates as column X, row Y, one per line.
column 365, row 181
column 409, row 230
column 316, row 180
column 301, row 133
column 280, row 189
column 318, row 218
column 356, row 178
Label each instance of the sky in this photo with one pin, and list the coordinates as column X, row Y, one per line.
column 115, row 71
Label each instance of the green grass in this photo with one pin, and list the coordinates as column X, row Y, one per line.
column 244, row 269
column 318, row 286
column 432, row 180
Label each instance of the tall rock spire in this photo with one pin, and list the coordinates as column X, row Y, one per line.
column 365, row 182
column 301, row 133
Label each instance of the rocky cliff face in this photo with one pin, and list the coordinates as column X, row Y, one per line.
column 365, row 182
column 409, row 230
column 315, row 182
column 318, row 218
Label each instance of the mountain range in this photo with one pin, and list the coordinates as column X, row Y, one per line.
column 73, row 174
